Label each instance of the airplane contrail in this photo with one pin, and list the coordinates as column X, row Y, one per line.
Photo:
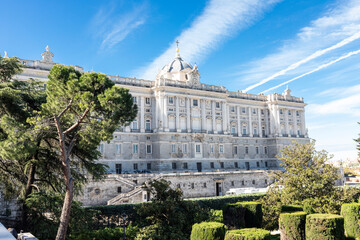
column 311, row 57
column 315, row 70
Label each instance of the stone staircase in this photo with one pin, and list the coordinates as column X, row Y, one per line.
column 133, row 196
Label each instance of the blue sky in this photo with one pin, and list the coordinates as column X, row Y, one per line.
column 252, row 45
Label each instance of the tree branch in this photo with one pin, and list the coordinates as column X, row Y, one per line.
column 67, row 108
column 78, row 122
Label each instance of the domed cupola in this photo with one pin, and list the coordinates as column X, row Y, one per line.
column 179, row 70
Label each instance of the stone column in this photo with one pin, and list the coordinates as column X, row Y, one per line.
column 238, row 121
column 267, row 127
column 178, row 128
column 188, row 119
column 250, row 123
column 166, row 126
column 302, row 123
column 142, row 119
column 213, row 117
column 278, row 126
column 160, row 112
column 203, row 115
column 286, row 119
column 224, row 117
column 259, row 122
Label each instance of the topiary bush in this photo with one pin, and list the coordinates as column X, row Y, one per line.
column 351, row 214
column 324, row 227
column 291, row 208
column 243, row 214
column 292, row 225
column 208, row 231
column 216, row 216
column 248, row 234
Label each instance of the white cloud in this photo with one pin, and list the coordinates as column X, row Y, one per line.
column 340, row 22
column 112, row 27
column 219, row 20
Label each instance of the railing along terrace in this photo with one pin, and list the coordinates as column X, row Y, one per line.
column 132, row 81
column 247, row 96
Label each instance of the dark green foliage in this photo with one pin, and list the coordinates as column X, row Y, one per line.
column 291, row 208
column 324, row 227
column 44, row 214
column 292, row 225
column 248, row 234
column 253, row 214
column 205, row 203
column 8, row 68
column 351, row 214
column 167, row 216
column 218, row 203
column 216, row 216
column 107, row 234
column 243, row 214
column 208, row 231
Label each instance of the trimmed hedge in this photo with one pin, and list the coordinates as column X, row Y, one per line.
column 107, row 212
column 292, row 225
column 208, row 231
column 324, row 227
column 248, row 234
column 216, row 216
column 351, row 214
column 243, row 214
column 291, row 208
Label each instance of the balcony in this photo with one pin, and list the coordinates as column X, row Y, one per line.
column 148, row 131
column 135, row 130
column 256, row 135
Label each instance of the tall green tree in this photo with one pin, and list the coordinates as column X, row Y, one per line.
column 83, row 109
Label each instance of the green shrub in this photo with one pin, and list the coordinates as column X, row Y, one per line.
column 243, row 214
column 248, row 234
column 208, row 231
column 292, row 225
column 216, row 216
column 324, row 227
column 291, row 208
column 351, row 214
column 107, row 234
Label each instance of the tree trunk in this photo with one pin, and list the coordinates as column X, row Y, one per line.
column 65, row 212
column 28, row 190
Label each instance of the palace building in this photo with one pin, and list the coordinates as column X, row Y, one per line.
column 205, row 139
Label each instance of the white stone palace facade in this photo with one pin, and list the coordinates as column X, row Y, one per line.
column 205, row 139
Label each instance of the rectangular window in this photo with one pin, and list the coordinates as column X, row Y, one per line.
column 253, row 181
column 135, row 166
column 173, row 148
column 236, row 165
column 173, row 165
column 118, row 148
column 262, row 111
column 135, row 148
column 281, row 111
column 119, row 189
column 243, row 110
column 254, row 110
column 148, row 124
column 148, row 166
column 185, row 147
column 118, row 168
column 185, row 165
column 243, row 182
column 195, row 102
column 147, row 101
column 134, row 99
column 197, row 148
column 297, row 113
column 257, row 164
column 257, row 150
column 134, row 124
column 221, row 148
column 266, row 164
column 265, row 150
column 289, row 112
column 265, row 181
column 204, row 184
column 233, row 130
column 212, row 165
column 244, row 130
column 211, row 148
column 221, row 164
column 148, row 148
column 171, row 100
column 217, row 105
column 235, row 150
column 192, row 185
column 246, row 150
column 232, row 109
column 232, row 183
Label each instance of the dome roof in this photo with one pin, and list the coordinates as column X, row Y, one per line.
column 177, row 65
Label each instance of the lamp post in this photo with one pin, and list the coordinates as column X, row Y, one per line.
column 124, row 218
